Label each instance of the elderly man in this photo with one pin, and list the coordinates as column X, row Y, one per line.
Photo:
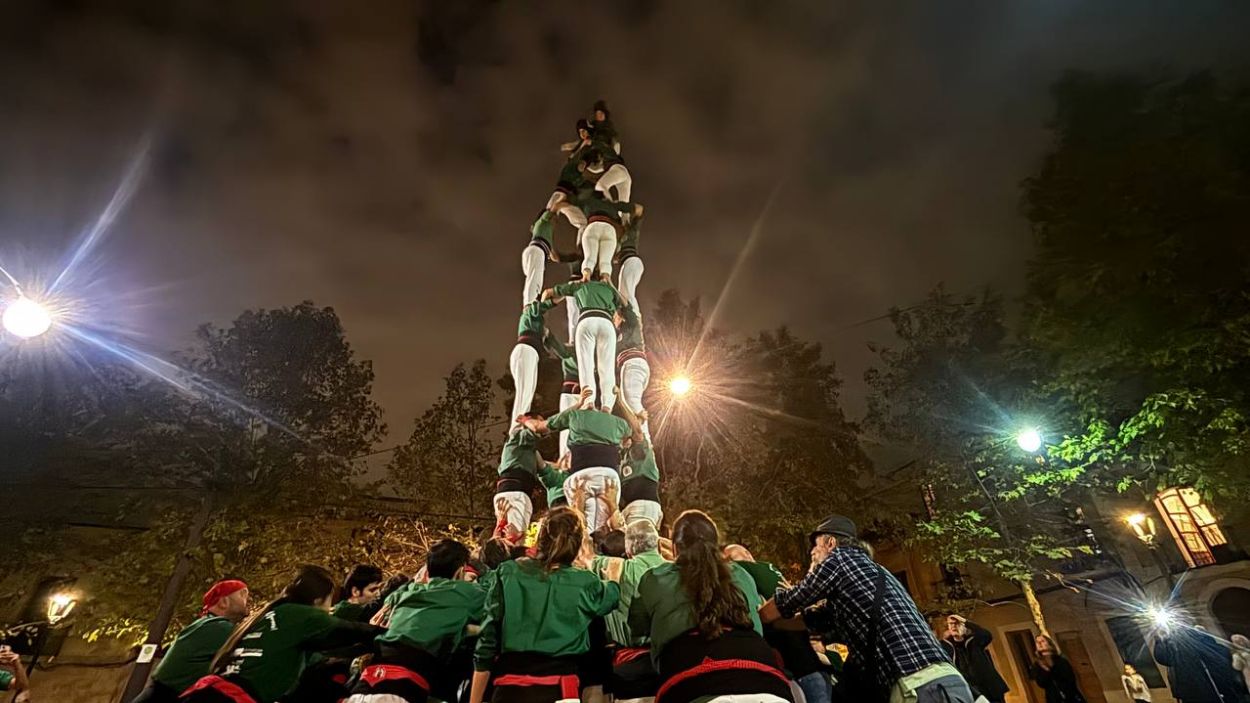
column 893, row 651
column 633, row 675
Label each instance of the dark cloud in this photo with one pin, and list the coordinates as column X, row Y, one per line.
column 387, row 158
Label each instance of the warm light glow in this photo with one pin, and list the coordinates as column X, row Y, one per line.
column 26, row 318
column 1030, row 440
column 1136, row 519
column 680, row 385
column 59, row 607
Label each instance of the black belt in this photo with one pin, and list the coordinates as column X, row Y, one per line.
column 594, row 312
column 515, row 479
column 530, row 340
column 586, row 456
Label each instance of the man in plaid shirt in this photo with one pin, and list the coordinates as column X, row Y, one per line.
column 906, row 658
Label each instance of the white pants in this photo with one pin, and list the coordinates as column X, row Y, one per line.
column 571, row 212
column 598, row 247
column 617, row 176
column 533, row 265
column 596, row 351
column 567, row 400
column 514, row 509
column 643, row 510
column 631, row 272
column 748, row 698
column 594, row 482
column 570, row 309
column 524, row 365
column 374, row 698
column 635, row 375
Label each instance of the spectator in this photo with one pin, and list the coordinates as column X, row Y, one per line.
column 1134, row 685
column 13, row 674
column 188, row 658
column 968, row 645
column 893, row 651
column 1199, row 666
column 1054, row 674
column 1241, row 657
column 360, row 594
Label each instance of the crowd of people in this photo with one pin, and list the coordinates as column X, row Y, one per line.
column 604, row 600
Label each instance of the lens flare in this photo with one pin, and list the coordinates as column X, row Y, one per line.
column 680, row 385
column 26, row 318
column 1030, row 440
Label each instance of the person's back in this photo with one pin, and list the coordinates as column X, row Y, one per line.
column 192, row 652
column 1199, row 666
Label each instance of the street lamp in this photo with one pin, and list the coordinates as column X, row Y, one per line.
column 1143, row 527
column 679, row 385
column 60, row 606
column 1029, row 439
column 25, row 318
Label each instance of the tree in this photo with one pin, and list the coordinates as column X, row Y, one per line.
column 953, row 392
column 1136, row 297
column 450, row 458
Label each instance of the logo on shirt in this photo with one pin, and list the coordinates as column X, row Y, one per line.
column 627, row 471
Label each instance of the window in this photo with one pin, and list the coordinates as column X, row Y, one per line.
column 1192, row 524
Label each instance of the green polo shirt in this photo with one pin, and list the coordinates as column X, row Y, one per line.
column 766, row 577
column 638, row 461
column 272, row 655
column 520, row 451
column 629, row 334
column 590, row 295
column 662, row 610
column 540, row 231
column 531, row 323
column 590, row 427
column 571, row 176
column 432, row 616
column 628, row 243
column 190, row 655
column 566, row 355
column 595, row 205
column 529, row 609
column 6, row 679
column 553, row 480
column 631, row 574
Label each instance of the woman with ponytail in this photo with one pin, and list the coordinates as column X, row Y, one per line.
column 538, row 615
column 265, row 656
column 700, row 612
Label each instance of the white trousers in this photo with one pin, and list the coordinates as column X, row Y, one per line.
column 570, row 309
column 513, row 509
column 643, row 510
column 748, row 698
column 374, row 698
column 598, row 247
column 594, row 482
column 617, row 176
column 635, row 375
column 631, row 273
column 524, row 366
column 567, row 400
column 571, row 212
column 533, row 265
column 596, row 351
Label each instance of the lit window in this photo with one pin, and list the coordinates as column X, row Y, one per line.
column 1192, row 524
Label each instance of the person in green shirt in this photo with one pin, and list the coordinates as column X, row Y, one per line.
column 519, row 462
column 631, row 362
column 604, row 219
column 361, row 591
column 265, row 656
column 523, row 363
column 570, row 388
column 538, row 613
column 700, row 613
column 640, row 483
column 428, row 623
column 602, row 131
column 630, row 263
column 188, row 658
column 534, row 257
column 607, row 147
column 553, row 478
column 13, row 674
column 595, row 340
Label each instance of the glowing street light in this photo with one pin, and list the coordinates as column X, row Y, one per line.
column 60, row 606
column 26, row 318
column 1030, row 440
column 1164, row 618
column 1143, row 526
column 679, row 385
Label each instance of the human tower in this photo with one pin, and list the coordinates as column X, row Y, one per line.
column 606, row 461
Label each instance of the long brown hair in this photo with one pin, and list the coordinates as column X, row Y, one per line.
column 311, row 584
column 560, row 538
column 715, row 598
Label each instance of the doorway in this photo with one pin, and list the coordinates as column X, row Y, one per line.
column 1021, row 644
column 1073, row 647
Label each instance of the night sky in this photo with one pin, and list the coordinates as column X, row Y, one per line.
column 386, row 158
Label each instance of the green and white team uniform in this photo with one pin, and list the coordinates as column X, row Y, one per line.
column 640, row 484
column 570, row 388
column 630, row 263
column 594, row 441
column 553, row 479
column 595, row 340
column 603, row 221
column 518, row 477
column 534, row 257
column 269, row 660
column 192, row 652
column 523, row 362
column 631, row 361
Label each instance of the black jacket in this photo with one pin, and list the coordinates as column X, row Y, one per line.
column 972, row 658
column 1059, row 681
column 1198, row 665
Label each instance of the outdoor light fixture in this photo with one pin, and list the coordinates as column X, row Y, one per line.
column 1030, row 440
column 1162, row 617
column 59, row 607
column 680, row 385
column 26, row 318
column 1143, row 526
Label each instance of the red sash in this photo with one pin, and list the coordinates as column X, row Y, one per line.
column 569, row 684
column 377, row 673
column 230, row 690
column 710, row 666
column 624, row 655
